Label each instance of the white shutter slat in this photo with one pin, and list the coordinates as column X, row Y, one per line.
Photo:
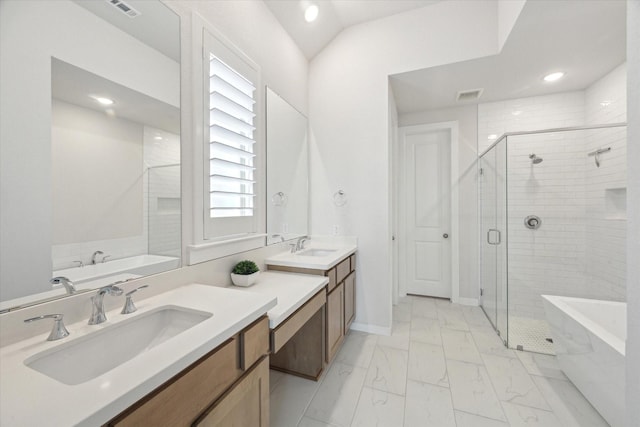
column 231, row 137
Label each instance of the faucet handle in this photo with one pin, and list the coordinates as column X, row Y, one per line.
column 104, row 258
column 129, row 306
column 58, row 331
column 80, row 263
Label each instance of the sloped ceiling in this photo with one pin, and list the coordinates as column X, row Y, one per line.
column 334, row 16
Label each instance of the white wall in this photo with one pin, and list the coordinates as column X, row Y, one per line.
column 348, row 110
column 467, row 118
column 92, row 201
column 31, row 32
column 633, row 213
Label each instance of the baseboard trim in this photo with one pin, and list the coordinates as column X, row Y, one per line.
column 371, row 329
column 468, row 301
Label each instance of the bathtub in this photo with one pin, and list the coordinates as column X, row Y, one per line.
column 589, row 340
column 140, row 265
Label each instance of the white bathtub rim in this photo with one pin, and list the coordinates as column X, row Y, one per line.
column 617, row 343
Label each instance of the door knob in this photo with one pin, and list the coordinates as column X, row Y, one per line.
column 445, row 235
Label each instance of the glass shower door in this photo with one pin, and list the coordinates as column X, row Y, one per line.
column 493, row 292
column 488, row 252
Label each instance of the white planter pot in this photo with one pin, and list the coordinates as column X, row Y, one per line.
column 244, row 280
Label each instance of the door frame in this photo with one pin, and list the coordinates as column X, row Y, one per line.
column 400, row 210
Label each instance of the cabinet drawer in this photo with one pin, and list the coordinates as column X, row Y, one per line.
column 179, row 401
column 289, row 327
column 342, row 270
column 254, row 342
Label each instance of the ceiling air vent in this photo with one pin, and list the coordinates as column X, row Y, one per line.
column 469, row 95
column 124, row 8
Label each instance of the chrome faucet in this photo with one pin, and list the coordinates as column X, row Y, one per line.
column 93, row 257
column 64, row 281
column 58, row 331
column 129, row 306
column 97, row 303
column 301, row 241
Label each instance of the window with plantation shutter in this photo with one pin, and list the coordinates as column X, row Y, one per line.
column 231, row 144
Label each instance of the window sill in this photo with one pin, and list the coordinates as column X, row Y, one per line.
column 214, row 250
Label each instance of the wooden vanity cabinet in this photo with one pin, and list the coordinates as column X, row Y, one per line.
column 341, row 299
column 229, row 383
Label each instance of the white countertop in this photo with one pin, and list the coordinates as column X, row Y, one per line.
column 291, row 289
column 30, row 398
column 340, row 250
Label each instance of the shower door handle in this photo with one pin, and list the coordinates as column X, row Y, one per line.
column 498, row 235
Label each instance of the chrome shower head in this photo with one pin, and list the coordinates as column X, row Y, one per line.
column 535, row 159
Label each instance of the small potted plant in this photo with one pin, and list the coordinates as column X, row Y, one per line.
column 245, row 273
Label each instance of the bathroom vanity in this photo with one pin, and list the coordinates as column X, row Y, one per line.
column 198, row 354
column 228, row 386
column 338, row 264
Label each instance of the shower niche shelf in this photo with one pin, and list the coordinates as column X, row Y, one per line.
column 616, row 203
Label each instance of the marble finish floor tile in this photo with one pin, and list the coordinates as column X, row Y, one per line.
column 472, row 391
column 388, row 370
column 526, row 416
column 289, row 398
column 399, row 338
column 488, row 342
column 427, row 364
column 475, row 316
column 452, row 319
column 337, row 397
column 569, row 405
column 310, row 422
column 424, row 307
column 428, row 405
column 425, row 330
column 465, row 419
column 357, row 349
column 512, row 383
column 378, row 408
column 459, row 345
column 429, row 389
column 544, row 365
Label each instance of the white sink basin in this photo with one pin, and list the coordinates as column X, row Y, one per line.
column 85, row 358
column 316, row 252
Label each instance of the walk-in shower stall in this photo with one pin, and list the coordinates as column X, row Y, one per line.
column 552, row 221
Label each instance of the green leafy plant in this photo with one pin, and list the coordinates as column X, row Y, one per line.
column 245, row 268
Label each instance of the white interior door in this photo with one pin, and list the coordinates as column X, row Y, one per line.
column 427, row 212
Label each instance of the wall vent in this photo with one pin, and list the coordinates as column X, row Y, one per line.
column 125, row 8
column 469, row 95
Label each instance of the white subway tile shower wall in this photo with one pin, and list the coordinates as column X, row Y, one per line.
column 577, row 251
column 606, row 223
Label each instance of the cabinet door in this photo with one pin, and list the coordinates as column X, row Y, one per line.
column 349, row 300
column 246, row 405
column 335, row 320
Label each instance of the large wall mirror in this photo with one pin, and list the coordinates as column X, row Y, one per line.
column 287, row 170
column 90, row 144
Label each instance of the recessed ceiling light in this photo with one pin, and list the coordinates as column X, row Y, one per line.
column 157, row 138
column 517, row 112
column 103, row 100
column 553, row 76
column 311, row 13
column 492, row 136
column 605, row 103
